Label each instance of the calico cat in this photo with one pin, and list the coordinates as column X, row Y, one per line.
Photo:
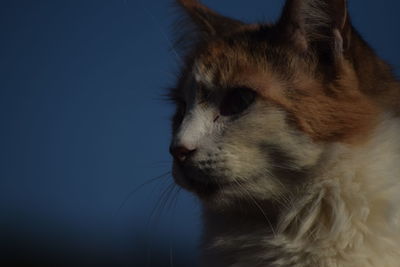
column 289, row 134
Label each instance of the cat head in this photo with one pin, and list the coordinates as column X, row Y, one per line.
column 257, row 104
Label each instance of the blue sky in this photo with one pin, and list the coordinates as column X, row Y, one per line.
column 83, row 123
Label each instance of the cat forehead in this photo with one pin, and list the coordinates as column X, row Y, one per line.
column 214, row 78
column 223, row 64
column 217, row 64
column 229, row 60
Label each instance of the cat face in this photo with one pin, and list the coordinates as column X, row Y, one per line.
column 239, row 142
column 257, row 105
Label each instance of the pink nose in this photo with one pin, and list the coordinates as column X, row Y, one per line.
column 180, row 152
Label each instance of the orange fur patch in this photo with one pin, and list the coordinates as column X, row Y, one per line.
column 334, row 112
column 337, row 112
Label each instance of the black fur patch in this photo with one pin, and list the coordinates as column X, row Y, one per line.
column 284, row 166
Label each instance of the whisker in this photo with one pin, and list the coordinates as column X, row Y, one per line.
column 257, row 205
column 283, row 198
column 154, row 211
column 160, row 202
column 167, row 200
column 163, row 34
column 173, row 204
column 138, row 188
column 173, row 199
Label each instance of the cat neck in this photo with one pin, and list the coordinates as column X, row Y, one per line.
column 348, row 216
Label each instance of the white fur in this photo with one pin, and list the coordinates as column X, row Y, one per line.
column 203, row 75
column 347, row 217
column 195, row 127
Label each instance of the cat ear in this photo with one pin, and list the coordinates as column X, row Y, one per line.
column 321, row 25
column 208, row 22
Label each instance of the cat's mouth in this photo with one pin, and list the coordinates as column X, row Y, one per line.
column 196, row 181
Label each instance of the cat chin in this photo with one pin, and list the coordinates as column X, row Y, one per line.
column 208, row 191
column 196, row 186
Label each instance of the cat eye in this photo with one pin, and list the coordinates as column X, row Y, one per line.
column 237, row 101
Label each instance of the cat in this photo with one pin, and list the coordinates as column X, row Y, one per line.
column 289, row 134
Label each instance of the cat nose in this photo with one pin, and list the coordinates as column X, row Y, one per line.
column 180, row 152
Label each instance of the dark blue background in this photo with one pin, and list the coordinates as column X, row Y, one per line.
column 83, row 123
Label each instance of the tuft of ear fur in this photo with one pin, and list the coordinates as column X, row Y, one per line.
column 200, row 23
column 319, row 25
column 208, row 21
